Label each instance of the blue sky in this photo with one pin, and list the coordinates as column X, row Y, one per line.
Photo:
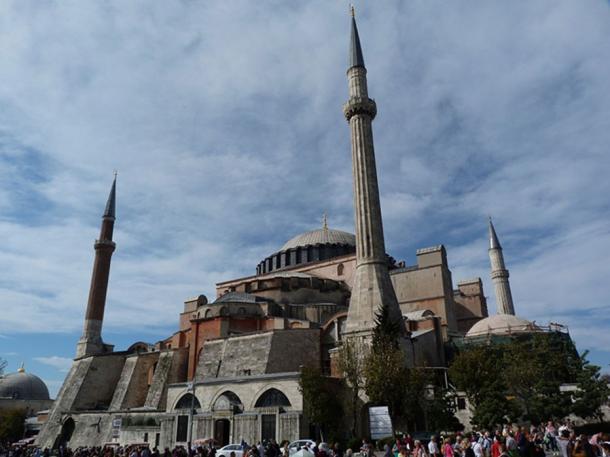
column 224, row 121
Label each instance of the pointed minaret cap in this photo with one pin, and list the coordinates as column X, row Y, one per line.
column 111, row 203
column 355, row 50
column 493, row 238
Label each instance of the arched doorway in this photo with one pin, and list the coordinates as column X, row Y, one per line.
column 271, row 403
column 225, row 407
column 67, row 429
column 222, row 431
column 186, row 407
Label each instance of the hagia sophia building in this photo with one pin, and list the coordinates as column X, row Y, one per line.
column 231, row 370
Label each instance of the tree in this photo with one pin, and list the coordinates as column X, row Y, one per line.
column 12, row 423
column 592, row 391
column 321, row 400
column 387, row 377
column 3, row 364
column 520, row 379
column 350, row 362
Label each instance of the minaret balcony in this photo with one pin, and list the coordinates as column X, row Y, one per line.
column 100, row 244
column 360, row 105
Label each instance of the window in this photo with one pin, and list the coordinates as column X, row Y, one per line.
column 146, row 437
column 340, row 269
column 182, row 428
column 272, row 397
column 461, row 403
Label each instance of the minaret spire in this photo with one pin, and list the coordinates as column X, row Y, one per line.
column 91, row 342
column 499, row 274
column 372, row 288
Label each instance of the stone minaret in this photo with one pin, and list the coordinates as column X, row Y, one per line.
column 499, row 274
column 91, row 342
column 372, row 286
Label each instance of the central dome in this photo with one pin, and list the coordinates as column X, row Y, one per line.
column 313, row 246
column 320, row 236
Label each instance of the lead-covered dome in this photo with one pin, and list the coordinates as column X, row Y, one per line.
column 320, row 236
column 501, row 324
column 23, row 386
column 313, row 246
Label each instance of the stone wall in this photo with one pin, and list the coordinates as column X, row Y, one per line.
column 97, row 389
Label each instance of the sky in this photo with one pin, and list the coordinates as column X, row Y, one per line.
column 224, row 121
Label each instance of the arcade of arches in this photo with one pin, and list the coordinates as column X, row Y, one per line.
column 235, row 414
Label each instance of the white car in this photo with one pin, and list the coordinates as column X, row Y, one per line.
column 226, row 451
column 298, row 445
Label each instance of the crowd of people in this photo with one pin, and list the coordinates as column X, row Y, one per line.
column 509, row 441
column 548, row 440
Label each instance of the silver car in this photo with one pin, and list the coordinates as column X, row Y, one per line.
column 226, row 451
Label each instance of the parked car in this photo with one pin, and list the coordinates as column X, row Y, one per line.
column 226, row 451
column 298, row 445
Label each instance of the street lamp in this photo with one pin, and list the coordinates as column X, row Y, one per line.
column 191, row 387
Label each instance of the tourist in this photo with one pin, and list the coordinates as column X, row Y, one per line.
column 433, row 447
column 467, row 450
column 418, row 449
column 447, row 448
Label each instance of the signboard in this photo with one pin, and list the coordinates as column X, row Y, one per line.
column 117, row 422
column 380, row 424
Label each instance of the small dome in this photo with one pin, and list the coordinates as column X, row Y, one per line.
column 320, row 236
column 501, row 324
column 23, row 386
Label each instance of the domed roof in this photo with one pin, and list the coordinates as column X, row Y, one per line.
column 320, row 236
column 23, row 386
column 501, row 324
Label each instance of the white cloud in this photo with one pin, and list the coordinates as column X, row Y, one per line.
column 224, row 121
column 62, row 364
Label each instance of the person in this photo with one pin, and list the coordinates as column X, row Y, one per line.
column 467, row 448
column 418, row 449
column 447, row 448
column 477, row 447
column 387, row 451
column 433, row 447
column 564, row 443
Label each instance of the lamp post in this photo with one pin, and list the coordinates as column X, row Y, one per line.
column 191, row 414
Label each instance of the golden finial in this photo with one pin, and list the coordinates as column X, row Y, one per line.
column 21, row 368
column 353, row 10
column 324, row 221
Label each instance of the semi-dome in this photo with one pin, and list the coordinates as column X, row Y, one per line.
column 320, row 236
column 501, row 324
column 23, row 386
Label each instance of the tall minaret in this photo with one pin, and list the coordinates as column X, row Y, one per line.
column 91, row 342
column 372, row 286
column 499, row 274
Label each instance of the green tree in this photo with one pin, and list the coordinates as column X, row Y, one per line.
column 321, row 401
column 386, row 377
column 592, row 393
column 350, row 362
column 12, row 423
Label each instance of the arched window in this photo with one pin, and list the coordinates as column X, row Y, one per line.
column 228, row 401
column 272, row 397
column 208, row 313
column 340, row 269
column 187, row 401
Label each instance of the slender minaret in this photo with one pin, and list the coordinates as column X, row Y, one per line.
column 372, row 286
column 499, row 274
column 91, row 342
